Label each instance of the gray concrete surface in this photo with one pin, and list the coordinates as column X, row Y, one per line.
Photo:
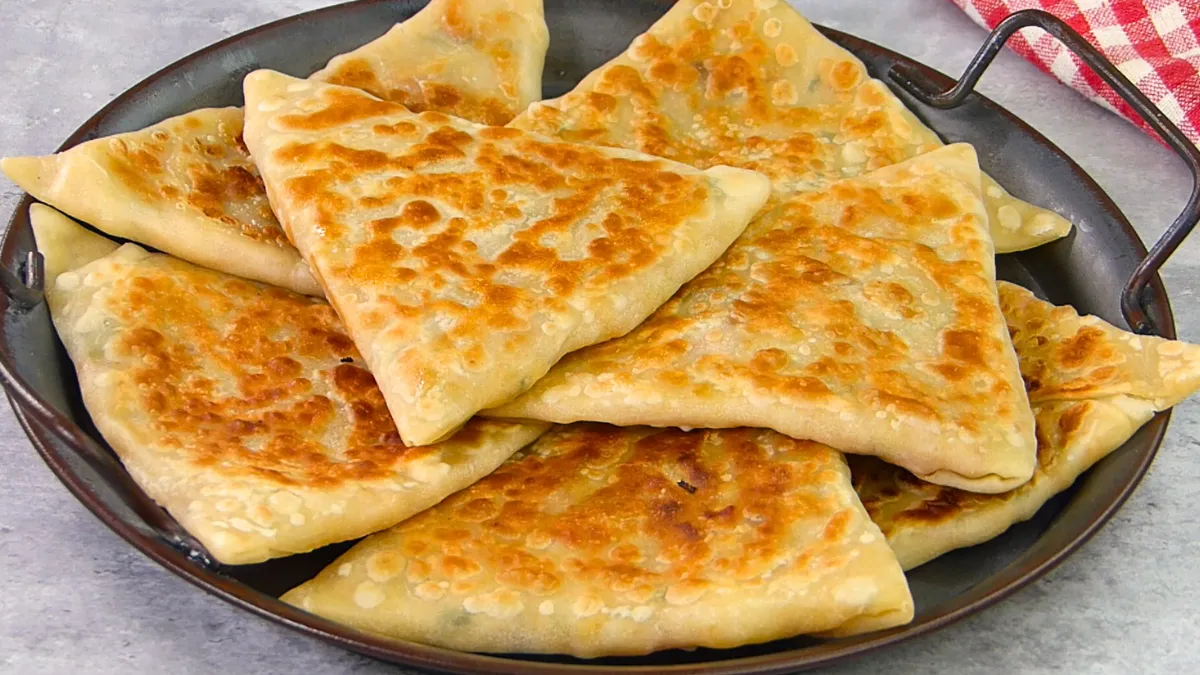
column 74, row 598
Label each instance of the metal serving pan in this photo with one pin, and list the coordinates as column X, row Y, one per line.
column 1101, row 268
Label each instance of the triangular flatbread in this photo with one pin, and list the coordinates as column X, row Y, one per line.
column 187, row 185
column 750, row 83
column 476, row 59
column 244, row 410
column 863, row 316
column 466, row 260
column 1079, row 422
column 1065, row 356
column 600, row 541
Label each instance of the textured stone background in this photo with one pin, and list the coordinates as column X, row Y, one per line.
column 72, row 594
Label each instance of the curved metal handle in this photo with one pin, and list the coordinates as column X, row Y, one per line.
column 25, row 288
column 1133, row 296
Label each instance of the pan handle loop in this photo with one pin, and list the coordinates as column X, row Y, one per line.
column 25, row 288
column 1133, row 296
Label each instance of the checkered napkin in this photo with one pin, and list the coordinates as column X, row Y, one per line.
column 1153, row 42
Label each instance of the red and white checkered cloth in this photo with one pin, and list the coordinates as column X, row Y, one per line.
column 1153, row 42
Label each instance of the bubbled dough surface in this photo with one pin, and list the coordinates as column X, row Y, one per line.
column 245, row 410
column 752, row 84
column 476, row 59
column 864, row 316
column 1092, row 386
column 466, row 260
column 604, row 540
column 188, row 186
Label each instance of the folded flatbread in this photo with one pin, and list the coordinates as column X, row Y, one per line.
column 863, row 316
column 750, row 83
column 243, row 409
column 601, row 541
column 466, row 260
column 187, row 185
column 1065, row 356
column 476, row 59
column 1092, row 386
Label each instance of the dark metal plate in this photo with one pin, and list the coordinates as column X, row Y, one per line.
column 1087, row 269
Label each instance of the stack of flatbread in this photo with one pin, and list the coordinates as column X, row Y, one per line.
column 584, row 370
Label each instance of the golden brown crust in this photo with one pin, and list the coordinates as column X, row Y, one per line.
column 219, row 182
column 1067, row 356
column 864, row 316
column 196, row 162
column 245, row 409
column 476, row 59
column 601, row 540
column 1081, row 418
column 187, row 185
column 750, row 83
column 466, row 259
column 922, row 520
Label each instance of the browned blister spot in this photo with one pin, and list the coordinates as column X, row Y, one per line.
column 1072, row 419
column 898, row 501
column 1083, row 347
column 945, row 506
column 845, row 74
column 892, row 297
column 965, row 346
column 343, row 107
column 357, row 72
column 1062, row 425
column 456, row 21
